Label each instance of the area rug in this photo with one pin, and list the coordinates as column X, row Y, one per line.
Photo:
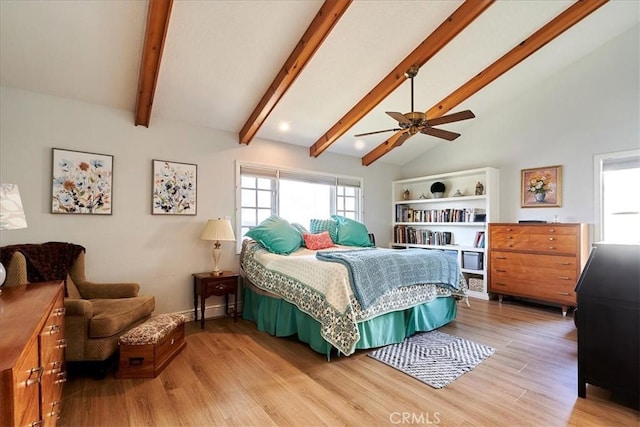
column 435, row 358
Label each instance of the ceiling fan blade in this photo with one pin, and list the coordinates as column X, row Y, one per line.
column 455, row 117
column 378, row 131
column 402, row 138
column 444, row 134
column 399, row 117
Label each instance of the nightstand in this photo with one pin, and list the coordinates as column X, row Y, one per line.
column 208, row 284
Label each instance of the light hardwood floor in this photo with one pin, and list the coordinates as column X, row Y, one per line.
column 231, row 374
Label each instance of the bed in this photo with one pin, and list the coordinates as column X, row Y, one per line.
column 299, row 294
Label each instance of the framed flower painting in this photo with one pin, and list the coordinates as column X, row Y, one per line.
column 542, row 187
column 174, row 188
column 82, row 183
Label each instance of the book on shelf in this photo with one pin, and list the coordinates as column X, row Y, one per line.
column 407, row 214
column 421, row 236
column 479, row 240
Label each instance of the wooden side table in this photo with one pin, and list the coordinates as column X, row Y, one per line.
column 208, row 284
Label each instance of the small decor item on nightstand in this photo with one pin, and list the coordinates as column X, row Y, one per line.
column 217, row 229
column 479, row 189
column 437, row 189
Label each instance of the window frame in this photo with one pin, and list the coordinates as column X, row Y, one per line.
column 277, row 171
column 598, row 169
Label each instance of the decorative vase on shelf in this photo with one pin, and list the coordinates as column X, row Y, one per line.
column 539, row 196
column 437, row 189
column 406, row 195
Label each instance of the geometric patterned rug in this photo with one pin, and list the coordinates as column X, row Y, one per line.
column 435, row 358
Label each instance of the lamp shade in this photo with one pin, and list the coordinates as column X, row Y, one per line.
column 218, row 229
column 11, row 211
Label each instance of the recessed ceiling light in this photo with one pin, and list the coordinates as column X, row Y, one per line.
column 359, row 144
column 284, row 126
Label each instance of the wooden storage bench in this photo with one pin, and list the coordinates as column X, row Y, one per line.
column 148, row 348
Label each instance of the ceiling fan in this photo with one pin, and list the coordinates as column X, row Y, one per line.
column 414, row 121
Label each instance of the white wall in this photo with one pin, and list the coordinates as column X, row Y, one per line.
column 159, row 252
column 591, row 107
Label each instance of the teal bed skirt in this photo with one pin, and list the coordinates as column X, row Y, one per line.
column 282, row 319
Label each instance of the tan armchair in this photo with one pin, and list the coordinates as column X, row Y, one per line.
column 96, row 314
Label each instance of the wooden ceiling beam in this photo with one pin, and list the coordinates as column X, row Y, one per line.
column 329, row 14
column 571, row 16
column 452, row 26
column 155, row 33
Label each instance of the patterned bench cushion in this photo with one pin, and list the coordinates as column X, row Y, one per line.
column 153, row 330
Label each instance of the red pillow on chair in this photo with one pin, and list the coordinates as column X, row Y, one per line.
column 317, row 241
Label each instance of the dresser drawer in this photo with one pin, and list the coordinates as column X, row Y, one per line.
column 553, row 243
column 541, row 283
column 503, row 259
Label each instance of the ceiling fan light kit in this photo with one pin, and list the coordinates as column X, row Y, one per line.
column 415, row 122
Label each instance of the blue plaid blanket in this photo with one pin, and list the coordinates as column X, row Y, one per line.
column 376, row 271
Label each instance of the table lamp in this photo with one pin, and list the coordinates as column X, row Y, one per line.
column 217, row 229
column 11, row 215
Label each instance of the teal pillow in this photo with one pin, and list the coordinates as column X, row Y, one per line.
column 317, row 226
column 276, row 235
column 351, row 232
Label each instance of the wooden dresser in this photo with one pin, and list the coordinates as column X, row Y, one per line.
column 537, row 261
column 32, row 343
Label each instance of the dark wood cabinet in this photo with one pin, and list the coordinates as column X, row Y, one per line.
column 608, row 320
column 209, row 284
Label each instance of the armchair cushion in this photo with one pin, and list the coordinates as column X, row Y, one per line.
column 113, row 316
column 90, row 290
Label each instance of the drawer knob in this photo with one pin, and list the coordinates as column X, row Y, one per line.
column 54, row 413
column 552, row 247
column 59, row 311
column 509, row 237
column 56, row 367
column 563, row 277
column 62, row 343
column 564, row 293
column 563, row 263
column 551, row 238
column 36, row 423
column 38, row 372
column 501, row 284
column 552, row 230
column 500, row 271
column 62, row 377
column 501, row 257
column 53, row 329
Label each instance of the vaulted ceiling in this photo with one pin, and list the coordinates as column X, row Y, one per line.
column 328, row 69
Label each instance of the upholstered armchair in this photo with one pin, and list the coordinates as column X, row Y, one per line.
column 96, row 313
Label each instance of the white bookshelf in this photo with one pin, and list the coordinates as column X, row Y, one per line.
column 424, row 217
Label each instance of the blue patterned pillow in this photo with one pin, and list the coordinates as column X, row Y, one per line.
column 317, row 226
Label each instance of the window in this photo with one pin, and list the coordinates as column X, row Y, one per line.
column 297, row 196
column 617, row 202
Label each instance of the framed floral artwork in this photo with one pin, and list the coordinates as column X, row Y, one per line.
column 82, row 183
column 174, row 188
column 542, row 187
